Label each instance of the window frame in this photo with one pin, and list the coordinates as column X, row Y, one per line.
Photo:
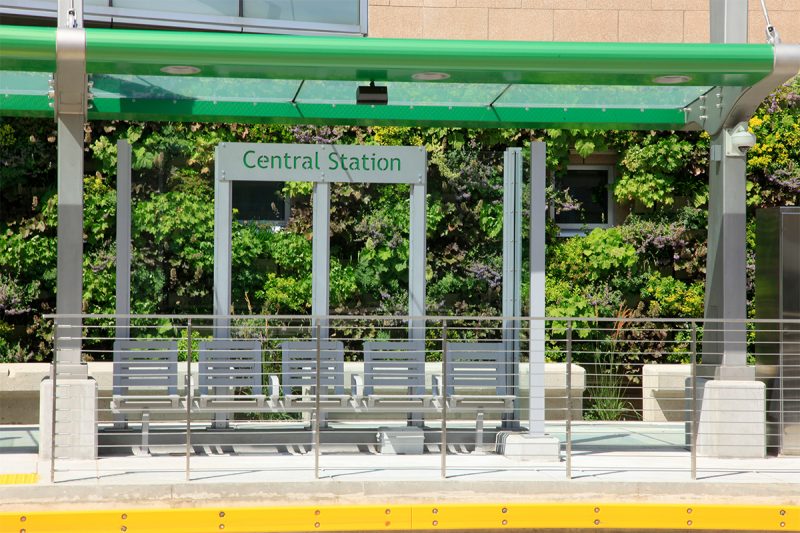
column 571, row 229
column 275, row 223
column 239, row 24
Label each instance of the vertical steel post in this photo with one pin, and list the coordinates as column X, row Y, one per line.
column 536, row 386
column 781, row 400
column 694, row 400
column 123, row 281
column 512, row 269
column 417, row 244
column 70, row 92
column 317, row 416
column 53, row 406
column 188, row 397
column 724, row 344
column 569, row 400
column 222, row 248
column 444, row 401
column 321, row 254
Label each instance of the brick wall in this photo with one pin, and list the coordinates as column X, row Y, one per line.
column 568, row 20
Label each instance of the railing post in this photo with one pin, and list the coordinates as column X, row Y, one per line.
column 694, row 400
column 188, row 398
column 444, row 401
column 781, row 397
column 53, row 407
column 317, row 421
column 569, row 400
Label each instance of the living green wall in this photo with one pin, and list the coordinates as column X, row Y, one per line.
column 651, row 265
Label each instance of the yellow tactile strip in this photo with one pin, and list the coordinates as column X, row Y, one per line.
column 19, row 479
column 461, row 517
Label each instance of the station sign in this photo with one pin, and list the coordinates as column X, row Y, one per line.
column 336, row 163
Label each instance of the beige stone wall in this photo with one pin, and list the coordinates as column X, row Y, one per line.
column 568, row 20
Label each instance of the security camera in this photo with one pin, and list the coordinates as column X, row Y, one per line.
column 739, row 140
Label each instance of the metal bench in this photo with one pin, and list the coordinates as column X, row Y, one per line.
column 475, row 365
column 397, row 369
column 229, row 376
column 145, row 381
column 299, row 377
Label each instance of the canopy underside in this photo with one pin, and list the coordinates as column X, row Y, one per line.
column 301, row 79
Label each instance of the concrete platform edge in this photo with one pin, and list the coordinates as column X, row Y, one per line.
column 333, row 492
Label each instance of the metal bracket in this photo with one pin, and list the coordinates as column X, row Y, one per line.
column 70, row 89
column 708, row 111
column 724, row 107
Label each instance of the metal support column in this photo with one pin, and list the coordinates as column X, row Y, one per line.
column 222, row 251
column 321, row 255
column 512, row 265
column 123, row 239
column 537, row 287
column 728, row 21
column 724, row 343
column 417, row 244
column 70, row 93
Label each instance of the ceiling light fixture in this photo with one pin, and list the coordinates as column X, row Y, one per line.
column 672, row 79
column 372, row 94
column 430, row 76
column 180, row 70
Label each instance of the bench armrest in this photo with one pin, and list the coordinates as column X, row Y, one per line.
column 357, row 386
column 437, row 386
column 273, row 388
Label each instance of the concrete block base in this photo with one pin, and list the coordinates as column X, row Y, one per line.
column 76, row 420
column 401, row 441
column 664, row 392
column 733, row 420
column 525, row 447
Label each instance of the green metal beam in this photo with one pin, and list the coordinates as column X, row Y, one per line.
column 337, row 58
column 286, row 113
column 119, row 51
column 27, row 48
column 476, row 117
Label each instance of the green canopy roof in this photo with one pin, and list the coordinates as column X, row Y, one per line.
column 303, row 79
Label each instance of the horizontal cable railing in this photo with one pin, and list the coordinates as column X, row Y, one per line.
column 341, row 396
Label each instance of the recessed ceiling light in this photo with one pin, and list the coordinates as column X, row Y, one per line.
column 181, row 70
column 430, row 76
column 672, row 79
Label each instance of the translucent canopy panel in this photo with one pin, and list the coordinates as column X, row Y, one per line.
column 604, row 97
column 184, row 76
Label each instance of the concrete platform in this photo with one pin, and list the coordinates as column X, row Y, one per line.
column 610, row 462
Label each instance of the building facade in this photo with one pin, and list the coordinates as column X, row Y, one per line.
column 682, row 21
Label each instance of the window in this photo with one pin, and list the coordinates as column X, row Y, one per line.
column 260, row 202
column 347, row 17
column 590, row 187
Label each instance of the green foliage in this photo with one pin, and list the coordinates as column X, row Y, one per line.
column 661, row 167
column 173, row 233
column 773, row 164
column 594, row 257
column 651, row 265
column 673, row 297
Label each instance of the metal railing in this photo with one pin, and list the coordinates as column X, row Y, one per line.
column 294, row 396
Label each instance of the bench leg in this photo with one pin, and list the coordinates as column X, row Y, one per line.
column 120, row 421
column 145, row 447
column 479, row 435
column 416, row 420
column 221, row 421
column 323, row 421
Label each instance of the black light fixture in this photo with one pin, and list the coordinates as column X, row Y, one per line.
column 372, row 95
